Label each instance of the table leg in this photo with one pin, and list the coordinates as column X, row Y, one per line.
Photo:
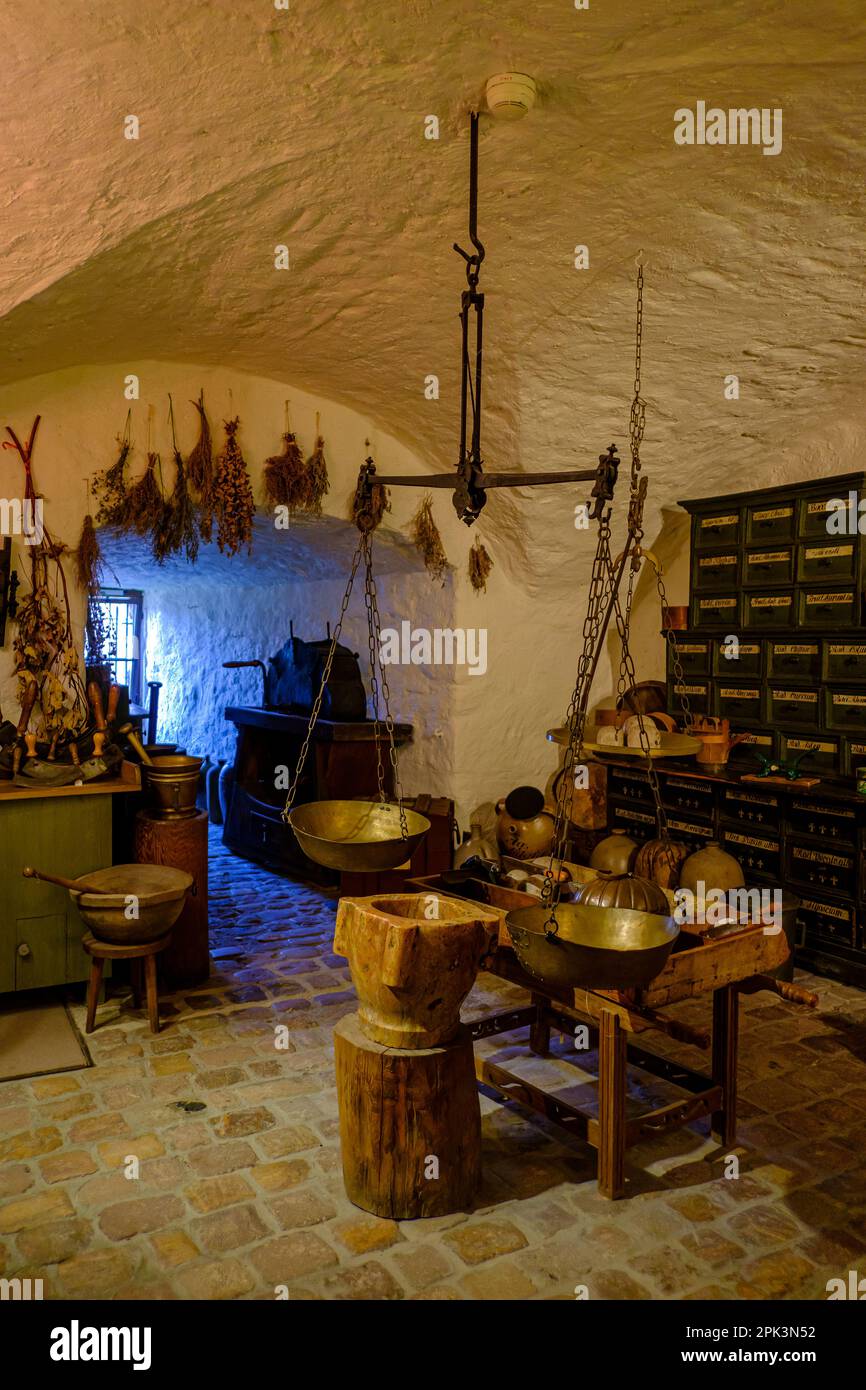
column 152, row 993
column 539, row 1028
column 725, row 1045
column 93, row 987
column 611, row 1102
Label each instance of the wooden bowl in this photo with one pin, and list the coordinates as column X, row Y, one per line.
column 155, row 892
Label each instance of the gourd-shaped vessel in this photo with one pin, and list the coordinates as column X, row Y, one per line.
column 615, row 853
column 711, row 868
column 627, row 891
column 661, row 861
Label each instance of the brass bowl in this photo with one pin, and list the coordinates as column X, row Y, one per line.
column 357, row 836
column 595, row 948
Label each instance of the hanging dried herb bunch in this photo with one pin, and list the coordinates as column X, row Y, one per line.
column 109, row 486
column 426, row 537
column 285, row 476
column 369, row 504
column 234, row 507
column 144, row 500
column 88, row 557
column 316, row 476
column 176, row 528
column 200, row 471
column 480, row 565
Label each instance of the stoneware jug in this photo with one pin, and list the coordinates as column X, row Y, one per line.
column 615, row 853
column 523, row 828
column 413, row 958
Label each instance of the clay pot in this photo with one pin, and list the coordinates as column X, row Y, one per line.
column 615, row 853
column 523, row 828
column 713, row 867
column 625, row 890
column 413, row 958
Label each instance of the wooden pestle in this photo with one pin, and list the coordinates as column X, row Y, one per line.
column 75, row 887
column 137, row 744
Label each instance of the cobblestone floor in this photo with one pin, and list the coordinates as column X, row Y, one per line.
column 245, row 1195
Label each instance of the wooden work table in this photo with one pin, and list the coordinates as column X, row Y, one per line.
column 52, row 829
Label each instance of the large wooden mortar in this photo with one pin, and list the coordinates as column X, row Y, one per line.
column 413, row 958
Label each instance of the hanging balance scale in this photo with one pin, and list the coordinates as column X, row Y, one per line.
column 367, row 836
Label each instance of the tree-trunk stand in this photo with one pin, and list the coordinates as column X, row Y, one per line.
column 410, row 1124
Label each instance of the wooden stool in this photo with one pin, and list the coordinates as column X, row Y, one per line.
column 147, row 951
column 410, row 1124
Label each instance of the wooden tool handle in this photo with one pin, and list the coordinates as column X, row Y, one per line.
column 113, row 699
column 137, row 744
column 30, row 745
column 27, row 707
column 75, row 885
column 99, row 743
column 94, row 695
column 786, row 989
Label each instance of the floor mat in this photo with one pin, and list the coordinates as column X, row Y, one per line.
column 38, row 1038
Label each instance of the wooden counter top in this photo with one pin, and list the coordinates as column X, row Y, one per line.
column 128, row 781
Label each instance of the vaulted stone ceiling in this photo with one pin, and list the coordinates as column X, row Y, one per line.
column 261, row 126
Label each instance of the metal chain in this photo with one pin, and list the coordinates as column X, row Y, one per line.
column 326, row 672
column 673, row 646
column 374, row 627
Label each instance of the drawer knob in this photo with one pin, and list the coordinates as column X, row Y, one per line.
column 24, row 950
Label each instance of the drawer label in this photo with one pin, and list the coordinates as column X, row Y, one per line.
column 680, row 785
column 690, row 689
column 823, row 810
column 710, row 561
column 718, row 603
column 727, row 694
column 770, row 557
column 837, row 649
column 800, row 697
column 752, row 799
column 764, row 740
column 815, row 507
column 858, row 750
column 829, row 598
column 797, row 649
column 774, row 514
column 782, row 601
column 624, row 814
column 708, row 521
column 815, row 856
column 686, row 828
column 751, row 842
column 696, row 648
column 859, row 700
column 809, row 745
column 817, row 552
column 841, row 914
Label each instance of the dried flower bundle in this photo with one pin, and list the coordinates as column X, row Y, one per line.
column 144, row 500
column 88, row 557
column 200, row 471
column 234, row 507
column 316, row 478
column 285, row 476
column 109, row 486
column 480, row 565
column 426, row 537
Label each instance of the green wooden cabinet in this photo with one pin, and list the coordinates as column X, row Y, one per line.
column 40, row 928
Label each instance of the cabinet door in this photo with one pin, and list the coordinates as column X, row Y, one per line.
column 40, row 951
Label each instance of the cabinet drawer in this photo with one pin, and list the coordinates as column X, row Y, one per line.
column 799, row 707
column 758, row 855
column 722, row 611
column 817, row 521
column 741, row 704
column 844, row 662
column 845, row 709
column 717, row 571
column 696, row 692
column 731, row 662
column 641, row 825
column 768, row 610
column 629, row 786
column 716, row 529
column 794, row 661
column 822, row 753
column 853, row 756
column 764, row 568
column 823, row 608
column 694, row 658
column 744, row 752
column 759, row 809
column 831, row 871
column 827, row 564
column 681, row 795
column 691, row 832
column 827, row 921
column 834, row 824
column 765, row 523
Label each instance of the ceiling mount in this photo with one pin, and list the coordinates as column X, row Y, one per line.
column 510, row 95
